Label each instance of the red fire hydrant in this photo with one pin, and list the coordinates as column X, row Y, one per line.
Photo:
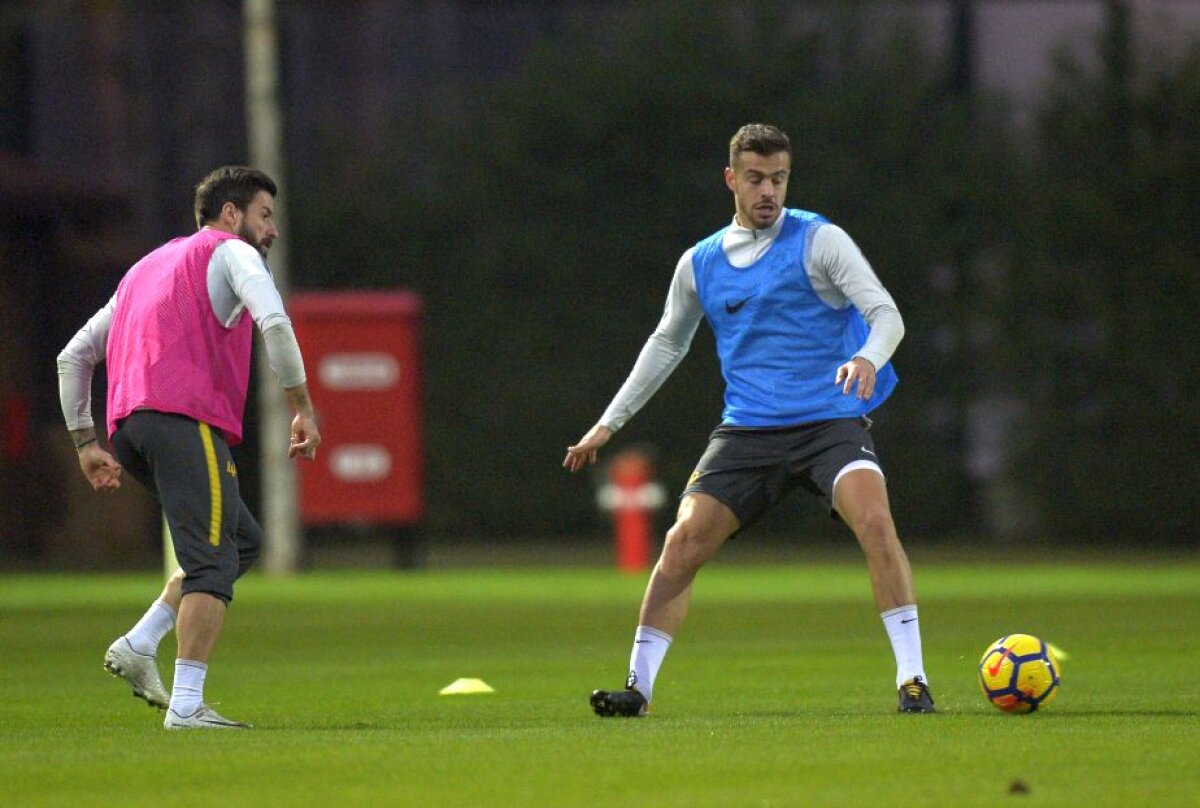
column 632, row 496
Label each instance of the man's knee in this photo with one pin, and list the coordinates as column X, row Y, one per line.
column 876, row 533
column 210, row 582
column 246, row 561
column 212, row 571
column 875, row 525
column 249, row 537
column 687, row 547
column 248, row 554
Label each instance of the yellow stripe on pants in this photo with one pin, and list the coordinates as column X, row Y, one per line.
column 214, row 485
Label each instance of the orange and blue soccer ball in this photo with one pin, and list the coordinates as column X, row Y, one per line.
column 1019, row 673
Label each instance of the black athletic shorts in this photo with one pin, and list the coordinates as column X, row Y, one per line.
column 749, row 469
column 187, row 466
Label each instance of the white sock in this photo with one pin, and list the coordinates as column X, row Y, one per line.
column 148, row 632
column 187, row 692
column 904, row 630
column 649, row 647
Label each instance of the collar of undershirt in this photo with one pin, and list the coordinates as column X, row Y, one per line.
column 737, row 231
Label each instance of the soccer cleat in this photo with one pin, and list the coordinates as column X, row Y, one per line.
column 139, row 670
column 622, row 703
column 914, row 697
column 204, row 718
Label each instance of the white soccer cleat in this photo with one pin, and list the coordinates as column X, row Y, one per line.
column 139, row 670
column 204, row 718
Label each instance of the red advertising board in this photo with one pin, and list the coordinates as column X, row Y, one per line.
column 362, row 356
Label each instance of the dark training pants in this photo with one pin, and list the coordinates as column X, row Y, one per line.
column 187, row 466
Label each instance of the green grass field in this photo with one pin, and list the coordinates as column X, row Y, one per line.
column 778, row 692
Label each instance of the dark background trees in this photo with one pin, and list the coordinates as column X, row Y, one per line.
column 1046, row 276
column 535, row 171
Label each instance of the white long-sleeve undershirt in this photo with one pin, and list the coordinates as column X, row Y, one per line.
column 840, row 276
column 238, row 281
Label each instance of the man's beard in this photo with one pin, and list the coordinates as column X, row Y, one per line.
column 248, row 237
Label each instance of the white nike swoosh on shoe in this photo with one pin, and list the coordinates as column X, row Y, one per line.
column 219, row 722
column 204, row 718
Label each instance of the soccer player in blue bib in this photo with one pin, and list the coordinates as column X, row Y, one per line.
column 804, row 331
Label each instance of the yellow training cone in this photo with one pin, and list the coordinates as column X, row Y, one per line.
column 464, row 686
column 1059, row 653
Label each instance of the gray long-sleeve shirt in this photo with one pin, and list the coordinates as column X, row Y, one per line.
column 840, row 276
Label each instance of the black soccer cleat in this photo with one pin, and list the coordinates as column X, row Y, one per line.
column 915, row 697
column 619, row 703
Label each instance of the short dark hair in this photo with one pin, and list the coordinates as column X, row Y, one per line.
column 759, row 138
column 236, row 184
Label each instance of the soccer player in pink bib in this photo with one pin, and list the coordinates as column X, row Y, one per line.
column 176, row 337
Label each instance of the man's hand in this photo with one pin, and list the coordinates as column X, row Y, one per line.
column 101, row 469
column 305, row 437
column 857, row 370
column 584, row 452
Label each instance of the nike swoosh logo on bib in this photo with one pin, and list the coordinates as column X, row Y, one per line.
column 734, row 308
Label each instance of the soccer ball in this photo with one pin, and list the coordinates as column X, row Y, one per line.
column 1019, row 673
